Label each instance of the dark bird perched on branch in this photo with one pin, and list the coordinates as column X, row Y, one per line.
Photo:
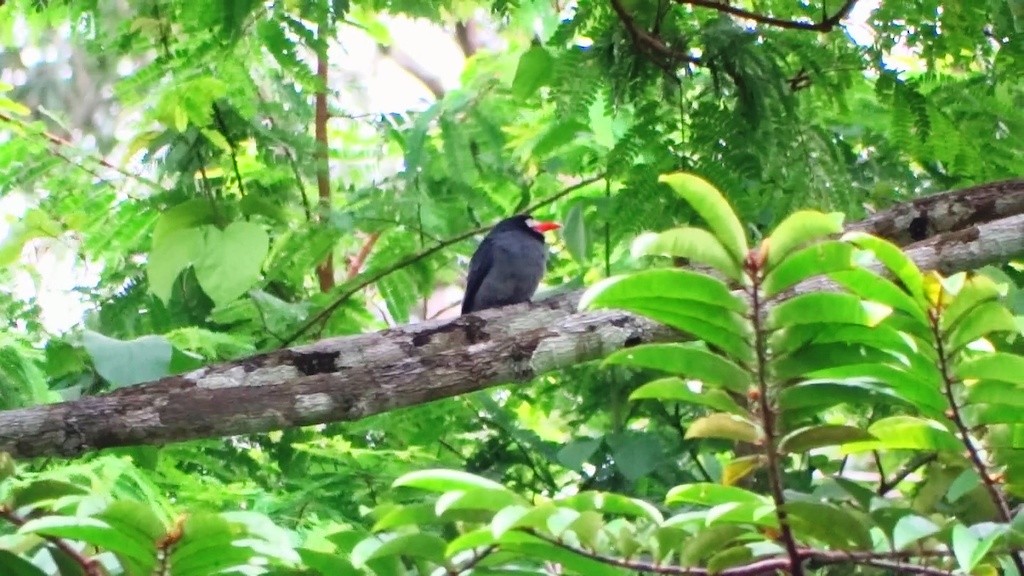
column 508, row 265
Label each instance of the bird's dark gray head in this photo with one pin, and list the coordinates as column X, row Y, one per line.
column 525, row 223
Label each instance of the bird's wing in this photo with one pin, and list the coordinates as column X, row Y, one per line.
column 479, row 266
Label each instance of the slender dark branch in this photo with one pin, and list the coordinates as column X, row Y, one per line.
column 895, row 561
column 89, row 566
column 912, row 465
column 406, row 62
column 473, row 561
column 954, row 414
column 650, row 43
column 358, row 283
column 223, row 128
column 325, row 270
column 825, row 25
column 356, row 264
column 765, row 400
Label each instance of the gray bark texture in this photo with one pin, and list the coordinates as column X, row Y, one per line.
column 352, row 377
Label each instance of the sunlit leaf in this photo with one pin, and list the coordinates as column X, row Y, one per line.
column 676, row 389
column 696, row 244
column 816, row 260
column 712, row 206
column 798, row 229
column 728, row 426
column 685, row 360
column 811, row 437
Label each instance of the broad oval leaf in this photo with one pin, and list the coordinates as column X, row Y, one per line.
column 728, row 426
column 231, row 260
column 662, row 283
column 837, row 527
column 894, row 259
column 534, row 70
column 676, row 389
column 827, row 307
column 811, row 437
column 709, row 494
column 910, row 529
column 907, row 433
column 416, row 545
column 128, row 362
column 976, row 290
column 871, row 286
column 816, row 260
column 712, row 206
column 685, row 360
column 798, row 229
column 444, row 480
column 999, row 366
column 696, row 244
column 739, row 468
column 985, row 319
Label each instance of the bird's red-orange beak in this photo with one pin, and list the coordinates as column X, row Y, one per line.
column 544, row 226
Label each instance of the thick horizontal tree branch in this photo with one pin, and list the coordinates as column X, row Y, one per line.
column 353, row 377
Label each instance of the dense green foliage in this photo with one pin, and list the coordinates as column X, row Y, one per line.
column 204, row 227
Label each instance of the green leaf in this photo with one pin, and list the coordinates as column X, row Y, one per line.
column 231, row 260
column 191, row 214
column 12, row 565
column 1000, row 366
column 708, row 494
column 976, row 290
column 128, row 362
column 728, row 426
column 706, row 542
column 831, row 524
column 575, row 453
column 178, row 250
column 444, row 480
column 811, row 437
column 894, row 259
column 827, row 307
column 685, row 360
column 574, row 232
column 833, row 392
column 910, row 529
column 728, row 558
column 739, row 468
column 535, row 68
column 822, row 258
column 416, row 545
column 89, row 530
column 696, row 244
column 613, row 504
column 661, row 283
column 871, row 286
column 476, row 499
column 635, row 453
column 984, row 320
column 676, row 389
column 707, row 201
column 798, row 229
column 908, row 433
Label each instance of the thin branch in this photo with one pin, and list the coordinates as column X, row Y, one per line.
column 357, row 261
column 954, row 414
column 765, row 400
column 651, row 43
column 324, row 271
column 59, row 142
column 223, row 128
column 909, row 468
column 825, row 25
column 90, row 566
column 358, row 284
column 406, row 62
